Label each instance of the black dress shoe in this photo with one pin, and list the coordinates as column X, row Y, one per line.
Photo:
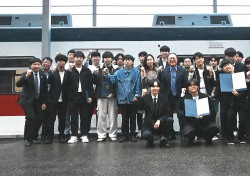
column 124, row 138
column 150, row 141
column 27, row 143
column 164, row 143
column 133, row 139
column 48, row 141
column 62, row 140
column 183, row 139
column 36, row 141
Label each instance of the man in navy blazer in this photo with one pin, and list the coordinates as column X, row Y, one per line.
column 173, row 78
column 157, row 120
column 32, row 99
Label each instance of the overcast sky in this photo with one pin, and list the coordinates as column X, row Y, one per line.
column 129, row 13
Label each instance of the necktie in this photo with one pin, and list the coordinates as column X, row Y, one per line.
column 155, row 104
column 173, row 81
column 37, row 93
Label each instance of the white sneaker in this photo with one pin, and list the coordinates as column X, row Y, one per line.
column 215, row 138
column 113, row 139
column 138, row 134
column 101, row 139
column 72, row 140
column 84, row 139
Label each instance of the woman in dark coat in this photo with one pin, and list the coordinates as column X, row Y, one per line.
column 200, row 126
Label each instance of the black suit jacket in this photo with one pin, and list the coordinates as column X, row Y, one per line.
column 165, row 79
column 209, row 82
column 56, row 87
column 85, row 77
column 151, row 116
column 27, row 95
column 161, row 63
column 97, row 79
column 239, row 67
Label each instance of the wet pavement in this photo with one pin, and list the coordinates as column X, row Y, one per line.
column 122, row 159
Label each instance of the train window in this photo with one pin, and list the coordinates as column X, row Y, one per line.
column 219, row 20
column 6, row 81
column 11, row 67
column 16, row 78
column 59, row 20
column 14, row 61
column 166, row 19
column 5, row 20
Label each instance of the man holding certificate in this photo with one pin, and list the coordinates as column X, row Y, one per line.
column 231, row 102
column 195, row 108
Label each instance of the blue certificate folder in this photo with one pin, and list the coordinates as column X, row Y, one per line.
column 236, row 81
column 198, row 107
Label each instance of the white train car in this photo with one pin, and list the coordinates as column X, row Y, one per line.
column 19, row 44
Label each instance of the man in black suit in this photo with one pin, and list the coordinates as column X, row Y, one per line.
column 157, row 120
column 57, row 100
column 32, row 99
column 173, row 78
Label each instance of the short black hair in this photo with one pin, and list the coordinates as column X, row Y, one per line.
column 230, row 52
column 152, row 81
column 128, row 57
column 95, row 54
column 247, row 61
column 79, row 54
column 192, row 81
column 198, row 54
column 142, row 53
column 225, row 62
column 61, row 57
column 35, row 60
column 240, row 54
column 164, row 48
column 107, row 54
column 47, row 58
column 118, row 55
column 213, row 57
column 71, row 51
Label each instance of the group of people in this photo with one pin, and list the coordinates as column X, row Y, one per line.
column 149, row 93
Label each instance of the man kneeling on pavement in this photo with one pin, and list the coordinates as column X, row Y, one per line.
column 157, row 120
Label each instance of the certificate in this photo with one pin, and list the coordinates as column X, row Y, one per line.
column 198, row 107
column 107, row 87
column 236, row 81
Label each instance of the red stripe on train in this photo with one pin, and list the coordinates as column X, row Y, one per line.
column 9, row 106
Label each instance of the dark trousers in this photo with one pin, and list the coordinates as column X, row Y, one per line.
column 33, row 120
column 228, row 121
column 228, row 115
column 79, row 105
column 54, row 109
column 128, row 118
column 139, row 120
column 163, row 130
column 207, row 135
column 91, row 109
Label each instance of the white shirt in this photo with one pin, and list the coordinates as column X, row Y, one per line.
column 61, row 78
column 80, row 85
column 202, row 83
column 153, row 97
